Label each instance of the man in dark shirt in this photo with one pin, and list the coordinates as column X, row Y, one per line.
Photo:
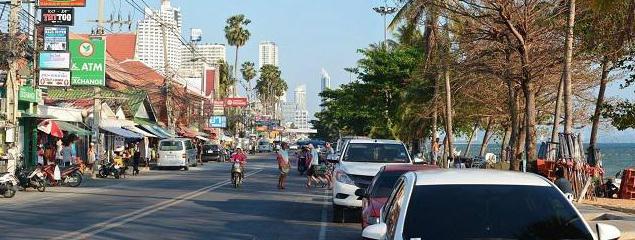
column 562, row 183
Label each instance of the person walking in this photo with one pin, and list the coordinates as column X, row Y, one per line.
column 136, row 159
column 313, row 164
column 67, row 154
column 283, row 164
column 435, row 151
column 562, row 183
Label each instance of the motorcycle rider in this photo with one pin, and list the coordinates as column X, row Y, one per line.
column 239, row 157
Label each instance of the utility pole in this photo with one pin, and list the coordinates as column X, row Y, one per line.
column 168, row 78
column 385, row 10
column 97, row 94
column 12, row 77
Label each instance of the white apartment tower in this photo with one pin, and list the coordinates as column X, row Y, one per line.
column 300, row 97
column 149, row 47
column 267, row 54
column 193, row 63
column 326, row 80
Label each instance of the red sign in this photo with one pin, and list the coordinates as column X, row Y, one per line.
column 62, row 3
column 236, row 102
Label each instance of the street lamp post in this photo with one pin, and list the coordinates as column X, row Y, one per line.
column 385, row 10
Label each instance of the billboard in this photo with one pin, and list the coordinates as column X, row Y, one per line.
column 62, row 3
column 218, row 121
column 54, row 60
column 55, row 38
column 57, row 16
column 196, row 34
column 88, row 66
column 218, row 107
column 236, row 102
column 210, row 81
column 55, row 78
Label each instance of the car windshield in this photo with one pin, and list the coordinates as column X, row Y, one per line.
column 382, row 187
column 171, row 146
column 210, row 147
column 376, row 152
column 491, row 212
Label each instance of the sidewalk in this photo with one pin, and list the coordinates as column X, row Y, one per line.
column 624, row 221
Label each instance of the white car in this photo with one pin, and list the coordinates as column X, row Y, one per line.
column 176, row 152
column 359, row 162
column 480, row 204
column 264, row 146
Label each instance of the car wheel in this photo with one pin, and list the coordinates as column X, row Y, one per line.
column 185, row 168
column 338, row 214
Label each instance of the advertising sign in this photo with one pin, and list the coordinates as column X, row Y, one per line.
column 196, row 34
column 62, row 3
column 88, row 62
column 218, row 121
column 55, row 38
column 236, row 102
column 28, row 94
column 55, row 78
column 55, row 60
column 218, row 107
column 57, row 16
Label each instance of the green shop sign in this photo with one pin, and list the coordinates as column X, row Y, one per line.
column 28, row 94
column 88, row 62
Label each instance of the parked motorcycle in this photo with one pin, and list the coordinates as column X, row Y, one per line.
column 8, row 185
column 237, row 175
column 71, row 176
column 34, row 179
column 108, row 169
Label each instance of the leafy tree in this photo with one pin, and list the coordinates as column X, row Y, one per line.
column 270, row 86
column 249, row 72
column 237, row 35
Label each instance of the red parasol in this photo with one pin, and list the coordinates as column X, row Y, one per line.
column 50, row 127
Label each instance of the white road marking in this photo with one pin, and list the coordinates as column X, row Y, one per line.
column 88, row 232
column 323, row 223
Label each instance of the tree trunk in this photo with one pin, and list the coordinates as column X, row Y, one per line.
column 568, row 101
column 448, row 110
column 512, row 103
column 604, row 79
column 556, row 115
column 486, row 137
column 444, row 158
column 469, row 142
column 530, row 125
column 520, row 141
column 235, row 73
column 505, row 143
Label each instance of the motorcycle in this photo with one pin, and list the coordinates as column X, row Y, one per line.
column 302, row 165
column 108, row 169
column 70, row 176
column 35, row 179
column 237, row 174
column 8, row 185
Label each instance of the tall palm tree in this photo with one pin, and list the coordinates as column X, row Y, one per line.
column 270, row 86
column 237, row 35
column 249, row 72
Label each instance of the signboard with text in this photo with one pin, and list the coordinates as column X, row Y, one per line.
column 218, row 121
column 57, row 16
column 218, row 107
column 54, row 60
column 55, row 38
column 236, row 102
column 62, row 3
column 88, row 59
column 55, row 78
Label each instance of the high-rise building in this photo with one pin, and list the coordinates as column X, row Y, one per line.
column 326, row 80
column 300, row 97
column 301, row 119
column 149, row 47
column 267, row 54
column 288, row 112
column 193, row 62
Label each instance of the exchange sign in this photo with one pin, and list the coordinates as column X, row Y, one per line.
column 57, row 16
column 236, row 102
column 56, row 38
column 218, row 121
column 62, row 3
column 55, row 78
column 54, row 60
column 88, row 62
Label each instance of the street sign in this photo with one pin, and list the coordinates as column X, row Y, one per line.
column 55, row 78
column 218, row 121
column 57, row 16
column 28, row 94
column 62, row 3
column 54, row 60
column 236, row 102
column 55, row 38
column 88, row 62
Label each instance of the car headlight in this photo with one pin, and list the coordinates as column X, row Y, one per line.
column 343, row 178
column 372, row 220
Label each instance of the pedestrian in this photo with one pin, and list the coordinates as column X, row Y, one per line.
column 136, row 158
column 562, row 183
column 14, row 156
column 283, row 164
column 313, row 164
column 435, row 151
column 40, row 156
column 67, row 154
column 58, row 152
column 91, row 154
column 329, row 149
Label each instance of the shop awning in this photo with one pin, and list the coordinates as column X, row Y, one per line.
column 164, row 131
column 122, row 132
column 139, row 131
column 156, row 130
column 70, row 128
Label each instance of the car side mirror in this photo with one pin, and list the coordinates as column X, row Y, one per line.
column 607, row 231
column 375, row 231
column 361, row 192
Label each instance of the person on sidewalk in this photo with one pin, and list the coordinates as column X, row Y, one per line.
column 312, row 175
column 136, row 159
column 562, row 183
column 283, row 164
column 435, row 151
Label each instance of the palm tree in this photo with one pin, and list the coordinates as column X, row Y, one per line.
column 237, row 35
column 226, row 81
column 249, row 72
column 270, row 86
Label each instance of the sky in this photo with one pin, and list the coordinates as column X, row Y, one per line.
column 311, row 34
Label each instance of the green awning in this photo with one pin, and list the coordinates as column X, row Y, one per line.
column 67, row 127
column 151, row 129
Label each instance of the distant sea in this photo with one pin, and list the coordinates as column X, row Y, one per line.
column 615, row 156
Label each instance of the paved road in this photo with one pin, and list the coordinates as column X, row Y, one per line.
column 195, row 204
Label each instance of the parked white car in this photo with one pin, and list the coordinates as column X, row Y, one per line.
column 264, row 146
column 176, row 152
column 480, row 204
column 358, row 164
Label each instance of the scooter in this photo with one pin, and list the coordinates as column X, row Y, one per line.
column 302, row 165
column 71, row 176
column 8, row 185
column 237, row 175
column 108, row 169
column 35, row 179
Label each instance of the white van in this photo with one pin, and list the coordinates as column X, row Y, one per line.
column 176, row 152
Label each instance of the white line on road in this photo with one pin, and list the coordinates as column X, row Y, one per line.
column 323, row 223
column 88, row 232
